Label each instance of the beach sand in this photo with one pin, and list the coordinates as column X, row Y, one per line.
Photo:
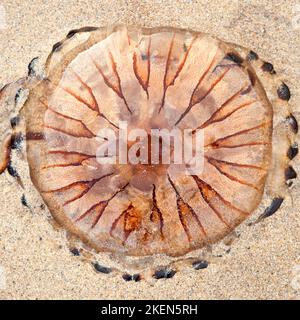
column 262, row 263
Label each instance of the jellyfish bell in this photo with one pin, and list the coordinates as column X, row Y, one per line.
column 153, row 79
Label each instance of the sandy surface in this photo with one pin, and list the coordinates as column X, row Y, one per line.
column 263, row 263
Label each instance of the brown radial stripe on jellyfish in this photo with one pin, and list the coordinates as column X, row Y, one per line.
column 156, row 215
column 184, row 210
column 152, row 79
column 142, row 65
column 129, row 221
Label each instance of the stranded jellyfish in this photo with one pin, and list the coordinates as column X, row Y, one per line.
column 152, row 79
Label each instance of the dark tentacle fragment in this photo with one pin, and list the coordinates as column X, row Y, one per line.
column 291, row 120
column 101, row 269
column 200, row 264
column 271, row 209
column 12, row 171
column 84, row 29
column 75, row 252
column 14, row 121
column 234, row 57
column 290, row 173
column 24, row 201
column 16, row 141
column 57, row 46
column 283, row 92
column 292, row 151
column 252, row 56
column 128, row 277
column 268, row 67
column 164, row 274
column 31, row 67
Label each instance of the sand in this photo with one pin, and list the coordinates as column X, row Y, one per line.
column 264, row 261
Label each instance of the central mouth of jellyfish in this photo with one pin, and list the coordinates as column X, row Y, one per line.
column 144, row 154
